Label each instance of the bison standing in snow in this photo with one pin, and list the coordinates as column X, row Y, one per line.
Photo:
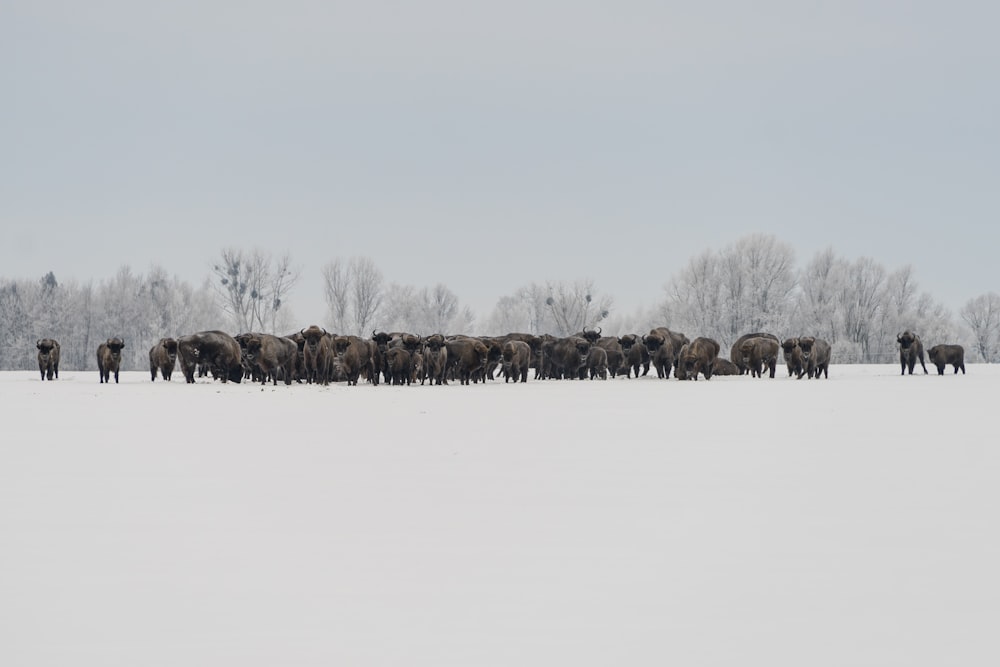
column 109, row 358
column 942, row 355
column 163, row 358
column 48, row 358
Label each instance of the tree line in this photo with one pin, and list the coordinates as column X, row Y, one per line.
column 858, row 306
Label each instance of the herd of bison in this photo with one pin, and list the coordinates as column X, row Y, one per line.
column 313, row 355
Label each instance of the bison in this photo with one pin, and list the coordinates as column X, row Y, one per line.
column 592, row 336
column 109, row 358
column 48, row 358
column 758, row 353
column 516, row 360
column 910, row 350
column 698, row 357
column 356, row 357
column 435, row 360
column 793, row 356
column 722, row 366
column 163, row 358
column 616, row 358
column 397, row 361
column 466, row 357
column 635, row 354
column 736, row 356
column 214, row 350
column 566, row 357
column 815, row 357
column 597, row 363
column 272, row 356
column 661, row 350
column 942, row 355
column 317, row 355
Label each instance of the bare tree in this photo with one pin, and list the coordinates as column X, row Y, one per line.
column 252, row 287
column 423, row 311
column 695, row 296
column 559, row 308
column 366, row 289
column 576, row 305
column 511, row 314
column 336, row 287
column 982, row 314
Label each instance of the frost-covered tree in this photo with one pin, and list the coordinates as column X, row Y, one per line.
column 139, row 308
column 423, row 311
column 747, row 286
column 982, row 315
column 860, row 301
column 695, row 297
column 816, row 312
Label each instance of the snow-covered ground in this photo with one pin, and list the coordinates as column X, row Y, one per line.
column 842, row 522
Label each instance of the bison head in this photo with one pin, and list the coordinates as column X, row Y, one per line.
column 253, row 349
column 905, row 340
column 381, row 340
column 115, row 345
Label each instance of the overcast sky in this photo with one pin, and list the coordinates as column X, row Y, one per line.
column 489, row 145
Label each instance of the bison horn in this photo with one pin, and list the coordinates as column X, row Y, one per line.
column 302, row 330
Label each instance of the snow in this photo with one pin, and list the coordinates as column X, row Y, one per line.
column 849, row 521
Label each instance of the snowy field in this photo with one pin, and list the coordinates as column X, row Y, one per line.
column 845, row 522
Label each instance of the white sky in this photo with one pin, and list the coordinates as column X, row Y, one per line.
column 488, row 147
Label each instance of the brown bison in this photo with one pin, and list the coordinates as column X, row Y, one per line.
column 698, row 356
column 722, row 366
column 163, row 358
column 435, row 360
column 661, row 350
column 597, row 363
column 566, row 357
column 272, row 356
column 793, row 357
column 815, row 357
column 214, row 350
column 759, row 353
column 48, row 358
column 300, row 364
column 317, row 355
column 109, row 358
column 416, row 367
column 466, row 357
column 910, row 350
column 942, row 355
column 735, row 354
column 592, row 336
column 516, row 360
column 356, row 358
column 381, row 340
column 397, row 361
column 635, row 354
column 613, row 347
column 535, row 343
